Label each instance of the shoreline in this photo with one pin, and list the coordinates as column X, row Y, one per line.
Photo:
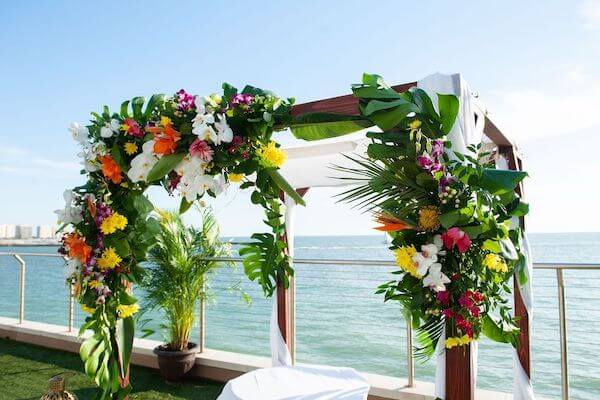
column 28, row 242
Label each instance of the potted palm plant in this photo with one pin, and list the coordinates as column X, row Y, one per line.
column 176, row 280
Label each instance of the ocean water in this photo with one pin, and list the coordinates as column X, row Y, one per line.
column 340, row 321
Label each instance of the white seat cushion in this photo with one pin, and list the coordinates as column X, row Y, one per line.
column 309, row 382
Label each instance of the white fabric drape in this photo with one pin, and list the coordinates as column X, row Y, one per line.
column 467, row 130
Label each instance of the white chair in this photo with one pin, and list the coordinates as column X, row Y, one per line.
column 284, row 381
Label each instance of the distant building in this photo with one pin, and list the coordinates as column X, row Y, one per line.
column 45, row 232
column 24, row 232
column 8, row 231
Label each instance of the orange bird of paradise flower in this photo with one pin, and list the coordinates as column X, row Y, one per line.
column 166, row 139
column 77, row 247
column 110, row 169
column 389, row 223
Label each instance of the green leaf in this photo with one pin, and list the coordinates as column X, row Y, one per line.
column 449, row 219
column 422, row 99
column 388, row 119
column 155, row 101
column 285, row 186
column 184, row 205
column 448, row 105
column 370, row 92
column 142, row 204
column 378, row 105
column 491, row 245
column 125, row 109
column 125, row 330
column 379, row 151
column 520, row 210
column 119, row 242
column 117, row 155
column 318, row 125
column 136, row 106
column 165, row 165
column 508, row 250
column 492, row 330
column 499, row 181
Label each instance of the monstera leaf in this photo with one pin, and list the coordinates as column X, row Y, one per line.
column 319, row 125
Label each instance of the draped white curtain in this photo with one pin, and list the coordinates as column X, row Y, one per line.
column 467, row 130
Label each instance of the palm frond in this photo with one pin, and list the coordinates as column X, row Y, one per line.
column 428, row 336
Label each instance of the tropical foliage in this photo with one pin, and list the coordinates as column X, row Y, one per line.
column 179, row 271
column 450, row 217
column 191, row 146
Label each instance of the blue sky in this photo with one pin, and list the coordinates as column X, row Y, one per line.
column 535, row 66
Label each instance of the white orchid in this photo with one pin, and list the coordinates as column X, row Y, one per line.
column 142, row 163
column 206, row 132
column 436, row 279
column 190, row 167
column 225, row 133
column 80, row 133
column 70, row 214
column 219, row 185
column 423, row 262
column 110, row 128
column 195, row 186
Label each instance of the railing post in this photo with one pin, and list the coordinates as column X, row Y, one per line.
column 70, row 311
column 410, row 361
column 564, row 351
column 202, row 321
column 21, row 287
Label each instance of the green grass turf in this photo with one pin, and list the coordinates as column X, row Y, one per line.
column 25, row 370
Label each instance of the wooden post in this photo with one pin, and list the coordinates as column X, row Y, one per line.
column 284, row 303
column 459, row 382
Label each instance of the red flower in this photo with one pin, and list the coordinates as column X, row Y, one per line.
column 448, row 313
column 443, row 297
column 475, row 311
column 455, row 237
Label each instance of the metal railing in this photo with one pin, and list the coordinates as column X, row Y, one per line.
column 410, row 364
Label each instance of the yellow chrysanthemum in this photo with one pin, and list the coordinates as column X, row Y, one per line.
column 235, row 178
column 164, row 121
column 457, row 341
column 94, row 284
column 495, row 263
column 109, row 259
column 89, row 310
column 112, row 223
column 271, row 155
column 429, row 218
column 404, row 259
column 414, row 125
column 130, row 148
column 127, row 310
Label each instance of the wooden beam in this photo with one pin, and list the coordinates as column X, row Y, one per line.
column 348, row 105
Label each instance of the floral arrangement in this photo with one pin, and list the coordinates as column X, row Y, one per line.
column 192, row 146
column 448, row 215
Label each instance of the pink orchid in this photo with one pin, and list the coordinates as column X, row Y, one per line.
column 201, row 149
column 455, row 237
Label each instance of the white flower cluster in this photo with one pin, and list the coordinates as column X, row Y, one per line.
column 142, row 163
column 194, row 182
column 71, row 214
column 206, row 127
column 90, row 151
column 427, row 264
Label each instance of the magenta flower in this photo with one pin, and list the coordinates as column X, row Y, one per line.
column 132, row 128
column 429, row 164
column 443, row 297
column 199, row 148
column 455, row 237
column 242, row 98
column 437, row 149
column 186, row 101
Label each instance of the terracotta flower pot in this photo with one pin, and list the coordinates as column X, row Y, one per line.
column 174, row 365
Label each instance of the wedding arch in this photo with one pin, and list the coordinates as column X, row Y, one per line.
column 194, row 146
